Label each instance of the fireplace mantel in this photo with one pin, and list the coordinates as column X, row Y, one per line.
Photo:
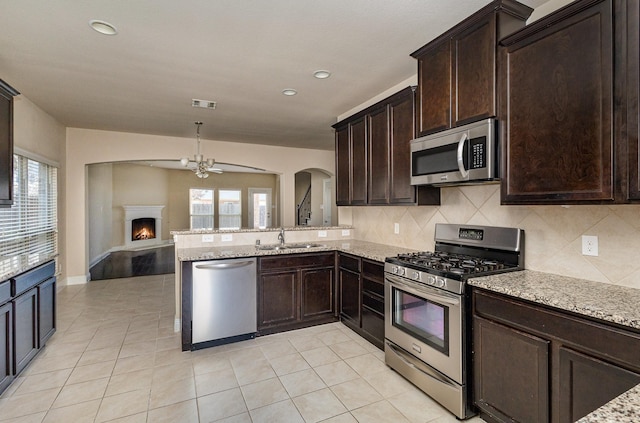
column 139, row 212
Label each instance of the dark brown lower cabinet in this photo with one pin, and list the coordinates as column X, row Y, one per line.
column 25, row 322
column 361, row 286
column 538, row 364
column 46, row 310
column 511, row 373
column 6, row 342
column 295, row 291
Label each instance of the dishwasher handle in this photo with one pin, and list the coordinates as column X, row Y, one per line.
column 217, row 266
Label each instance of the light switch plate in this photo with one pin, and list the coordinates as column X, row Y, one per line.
column 345, row 232
column 589, row 245
column 226, row 238
column 207, row 238
column 322, row 234
column 396, row 228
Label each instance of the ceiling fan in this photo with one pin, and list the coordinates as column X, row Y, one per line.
column 199, row 165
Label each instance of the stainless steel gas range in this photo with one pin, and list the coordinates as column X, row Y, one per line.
column 428, row 310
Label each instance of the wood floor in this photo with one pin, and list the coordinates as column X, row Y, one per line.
column 127, row 264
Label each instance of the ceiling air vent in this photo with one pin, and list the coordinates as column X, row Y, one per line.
column 205, row 104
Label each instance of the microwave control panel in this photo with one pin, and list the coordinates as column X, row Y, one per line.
column 478, row 153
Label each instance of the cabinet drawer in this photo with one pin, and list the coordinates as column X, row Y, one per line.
column 350, row 262
column 373, row 270
column 296, row 261
column 373, row 287
column 26, row 281
column 5, row 292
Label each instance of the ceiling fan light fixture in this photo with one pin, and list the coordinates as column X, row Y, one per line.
column 322, row 74
column 203, row 166
column 289, row 92
column 103, row 27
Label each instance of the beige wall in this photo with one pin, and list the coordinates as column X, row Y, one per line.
column 85, row 146
column 552, row 233
column 100, row 210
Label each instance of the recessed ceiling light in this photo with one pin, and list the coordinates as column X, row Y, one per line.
column 289, row 91
column 322, row 74
column 103, row 27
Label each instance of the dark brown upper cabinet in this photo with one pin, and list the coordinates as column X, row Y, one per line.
column 373, row 160
column 570, row 133
column 6, row 143
column 633, row 50
column 457, row 70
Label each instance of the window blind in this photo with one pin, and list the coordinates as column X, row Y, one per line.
column 29, row 229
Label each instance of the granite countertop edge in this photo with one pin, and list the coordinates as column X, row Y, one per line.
column 364, row 249
column 608, row 302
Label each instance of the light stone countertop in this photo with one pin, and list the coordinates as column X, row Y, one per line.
column 243, row 230
column 368, row 250
column 612, row 303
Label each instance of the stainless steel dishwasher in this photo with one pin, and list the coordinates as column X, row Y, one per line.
column 224, row 301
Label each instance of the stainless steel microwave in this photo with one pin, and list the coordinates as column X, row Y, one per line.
column 463, row 155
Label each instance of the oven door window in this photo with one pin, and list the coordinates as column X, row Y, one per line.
column 425, row 320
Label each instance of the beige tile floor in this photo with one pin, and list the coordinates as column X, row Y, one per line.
column 115, row 358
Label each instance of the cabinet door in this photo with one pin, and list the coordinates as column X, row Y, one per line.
column 46, row 310
column 473, row 62
column 6, row 346
column 6, row 144
column 558, row 100
column 343, row 167
column 350, row 296
column 278, row 298
column 378, row 186
column 402, row 122
column 511, row 372
column 317, row 293
column 25, row 323
column 434, row 85
column 633, row 92
column 586, row 383
column 358, row 136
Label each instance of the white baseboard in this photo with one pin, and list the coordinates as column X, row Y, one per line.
column 76, row 280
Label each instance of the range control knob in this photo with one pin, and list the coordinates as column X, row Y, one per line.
column 431, row 280
column 401, row 271
column 440, row 282
column 415, row 276
column 394, row 269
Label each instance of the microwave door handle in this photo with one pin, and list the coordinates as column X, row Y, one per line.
column 463, row 171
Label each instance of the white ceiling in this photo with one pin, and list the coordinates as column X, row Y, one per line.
column 239, row 53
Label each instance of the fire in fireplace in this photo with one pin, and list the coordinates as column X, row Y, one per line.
column 143, row 228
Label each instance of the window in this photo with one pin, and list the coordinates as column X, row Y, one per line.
column 29, row 228
column 230, row 214
column 201, row 208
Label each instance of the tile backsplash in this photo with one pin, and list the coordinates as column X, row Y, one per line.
column 553, row 234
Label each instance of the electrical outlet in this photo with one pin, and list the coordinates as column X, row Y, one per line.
column 346, row 232
column 396, row 228
column 226, row 238
column 589, row 245
column 322, row 234
column 207, row 238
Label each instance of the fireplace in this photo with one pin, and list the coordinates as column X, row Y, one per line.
column 142, row 226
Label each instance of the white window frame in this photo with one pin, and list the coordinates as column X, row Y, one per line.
column 223, row 206
column 210, row 216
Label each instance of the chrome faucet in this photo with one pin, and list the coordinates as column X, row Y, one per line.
column 281, row 236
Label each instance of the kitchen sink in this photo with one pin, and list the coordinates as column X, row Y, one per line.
column 271, row 247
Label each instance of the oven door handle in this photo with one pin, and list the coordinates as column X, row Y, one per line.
column 441, row 298
column 463, row 171
column 425, row 371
